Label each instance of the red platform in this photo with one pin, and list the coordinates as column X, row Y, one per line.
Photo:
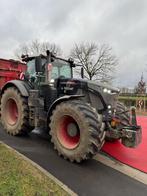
column 136, row 157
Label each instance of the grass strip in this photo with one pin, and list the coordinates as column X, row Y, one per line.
column 18, row 177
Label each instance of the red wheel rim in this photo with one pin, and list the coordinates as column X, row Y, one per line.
column 68, row 141
column 11, row 112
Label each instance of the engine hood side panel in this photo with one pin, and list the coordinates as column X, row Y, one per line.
column 97, row 95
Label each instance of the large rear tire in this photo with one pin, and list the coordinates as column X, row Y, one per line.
column 14, row 112
column 76, row 130
column 122, row 115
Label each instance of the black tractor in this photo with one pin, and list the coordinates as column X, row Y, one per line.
column 78, row 114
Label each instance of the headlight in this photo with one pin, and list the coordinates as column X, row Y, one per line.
column 52, row 81
column 109, row 106
column 110, row 112
column 105, row 90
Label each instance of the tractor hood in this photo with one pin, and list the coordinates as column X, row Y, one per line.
column 104, row 87
column 108, row 94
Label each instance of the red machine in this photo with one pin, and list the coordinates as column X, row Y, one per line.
column 11, row 70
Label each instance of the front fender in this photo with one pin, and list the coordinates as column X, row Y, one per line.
column 22, row 86
column 58, row 101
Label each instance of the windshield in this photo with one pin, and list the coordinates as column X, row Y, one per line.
column 61, row 69
column 31, row 67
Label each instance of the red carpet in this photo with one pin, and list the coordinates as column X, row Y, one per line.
column 136, row 157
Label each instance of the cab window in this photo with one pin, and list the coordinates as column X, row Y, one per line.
column 61, row 69
column 31, row 68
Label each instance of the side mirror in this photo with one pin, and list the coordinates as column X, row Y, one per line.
column 82, row 72
column 71, row 61
column 38, row 64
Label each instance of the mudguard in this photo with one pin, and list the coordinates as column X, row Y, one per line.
column 22, row 86
column 59, row 100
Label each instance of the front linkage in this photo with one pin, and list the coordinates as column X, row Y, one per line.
column 130, row 134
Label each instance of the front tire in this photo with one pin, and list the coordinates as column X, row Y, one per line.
column 76, row 130
column 14, row 112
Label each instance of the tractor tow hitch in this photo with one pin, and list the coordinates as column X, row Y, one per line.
column 132, row 135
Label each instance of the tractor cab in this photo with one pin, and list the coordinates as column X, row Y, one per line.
column 45, row 69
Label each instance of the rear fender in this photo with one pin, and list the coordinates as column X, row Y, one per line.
column 58, row 101
column 22, row 86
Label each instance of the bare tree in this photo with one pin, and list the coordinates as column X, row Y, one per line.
column 98, row 61
column 35, row 48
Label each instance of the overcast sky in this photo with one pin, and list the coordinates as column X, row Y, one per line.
column 121, row 24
